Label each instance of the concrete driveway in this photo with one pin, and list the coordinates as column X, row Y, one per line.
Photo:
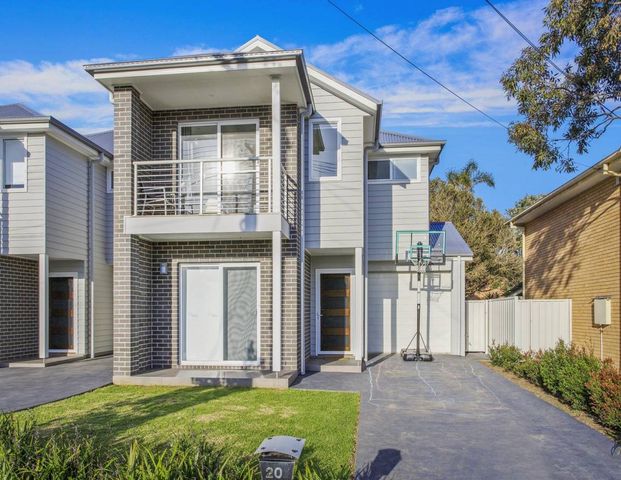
column 455, row 418
column 27, row 387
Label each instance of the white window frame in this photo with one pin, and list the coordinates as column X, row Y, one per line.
column 325, row 121
column 218, row 124
column 109, row 180
column 24, row 140
column 220, row 266
column 392, row 180
column 352, row 312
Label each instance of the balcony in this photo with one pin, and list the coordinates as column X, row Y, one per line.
column 209, row 199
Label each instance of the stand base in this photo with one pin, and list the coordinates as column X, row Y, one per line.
column 414, row 356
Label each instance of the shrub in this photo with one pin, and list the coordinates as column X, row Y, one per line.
column 604, row 389
column 27, row 454
column 565, row 371
column 529, row 368
column 505, row 356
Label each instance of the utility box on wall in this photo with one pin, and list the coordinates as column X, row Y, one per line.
column 601, row 311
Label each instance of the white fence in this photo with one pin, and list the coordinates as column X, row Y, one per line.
column 527, row 324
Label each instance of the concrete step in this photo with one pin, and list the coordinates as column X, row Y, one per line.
column 334, row 365
column 42, row 362
column 186, row 377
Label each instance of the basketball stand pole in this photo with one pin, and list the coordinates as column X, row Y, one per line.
column 415, row 355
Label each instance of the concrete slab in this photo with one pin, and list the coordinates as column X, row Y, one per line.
column 455, row 418
column 22, row 388
column 183, row 377
column 42, row 362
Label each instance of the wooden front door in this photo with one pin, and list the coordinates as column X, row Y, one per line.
column 62, row 314
column 335, row 312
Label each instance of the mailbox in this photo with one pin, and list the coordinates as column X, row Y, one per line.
column 277, row 456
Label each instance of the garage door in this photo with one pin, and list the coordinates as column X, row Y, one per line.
column 392, row 311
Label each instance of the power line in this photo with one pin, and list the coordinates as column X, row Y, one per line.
column 411, row 63
column 537, row 49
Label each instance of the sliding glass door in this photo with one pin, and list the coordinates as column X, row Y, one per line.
column 219, row 307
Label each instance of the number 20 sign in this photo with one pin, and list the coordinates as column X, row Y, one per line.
column 276, row 470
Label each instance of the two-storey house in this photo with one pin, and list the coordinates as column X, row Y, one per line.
column 256, row 205
column 55, row 240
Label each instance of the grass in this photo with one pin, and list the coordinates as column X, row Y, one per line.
column 236, row 419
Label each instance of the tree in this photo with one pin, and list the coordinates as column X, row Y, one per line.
column 470, row 176
column 523, row 203
column 496, row 267
column 572, row 104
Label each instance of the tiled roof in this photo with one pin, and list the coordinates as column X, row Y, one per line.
column 17, row 110
column 386, row 138
column 104, row 139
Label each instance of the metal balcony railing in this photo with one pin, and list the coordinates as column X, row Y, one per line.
column 202, row 187
column 210, row 187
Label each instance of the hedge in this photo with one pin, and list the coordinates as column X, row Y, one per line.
column 572, row 374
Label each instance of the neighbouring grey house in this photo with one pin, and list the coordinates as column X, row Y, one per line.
column 256, row 206
column 55, row 240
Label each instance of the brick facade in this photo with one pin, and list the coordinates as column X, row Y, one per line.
column 165, row 332
column 146, row 303
column 574, row 251
column 19, row 308
column 132, row 256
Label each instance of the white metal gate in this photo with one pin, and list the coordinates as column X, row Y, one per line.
column 476, row 326
column 527, row 324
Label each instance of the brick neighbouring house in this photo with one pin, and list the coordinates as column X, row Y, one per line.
column 572, row 249
column 243, row 257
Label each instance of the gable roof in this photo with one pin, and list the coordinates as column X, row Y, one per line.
column 357, row 97
column 18, row 117
column 455, row 244
column 104, row 139
column 17, row 110
column 587, row 179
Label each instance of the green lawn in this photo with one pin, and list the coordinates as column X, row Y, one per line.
column 231, row 418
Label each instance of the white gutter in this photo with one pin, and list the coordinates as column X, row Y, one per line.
column 304, row 114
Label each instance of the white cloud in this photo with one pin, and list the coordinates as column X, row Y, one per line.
column 467, row 50
column 62, row 89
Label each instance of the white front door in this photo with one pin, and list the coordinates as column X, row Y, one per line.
column 219, row 314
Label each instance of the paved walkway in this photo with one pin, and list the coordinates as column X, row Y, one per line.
column 455, row 418
column 27, row 387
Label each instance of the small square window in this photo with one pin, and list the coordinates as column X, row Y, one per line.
column 379, row 170
column 398, row 170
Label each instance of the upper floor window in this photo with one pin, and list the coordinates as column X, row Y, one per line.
column 397, row 170
column 325, row 149
column 109, row 180
column 13, row 159
column 215, row 140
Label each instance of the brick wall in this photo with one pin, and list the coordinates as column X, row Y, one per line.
column 19, row 308
column 146, row 327
column 574, row 251
column 132, row 256
column 166, row 290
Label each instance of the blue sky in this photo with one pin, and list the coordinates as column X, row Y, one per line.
column 464, row 44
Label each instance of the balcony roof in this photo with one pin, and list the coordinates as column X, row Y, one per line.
column 210, row 80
